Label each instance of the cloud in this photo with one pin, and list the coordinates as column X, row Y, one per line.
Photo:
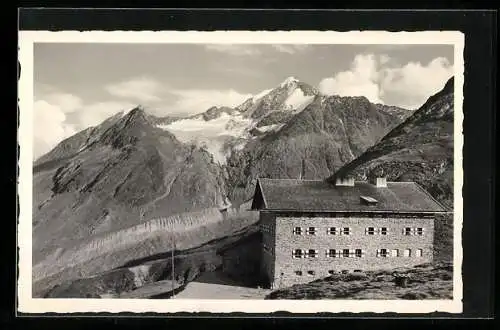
column 95, row 113
column 360, row 80
column 413, row 83
column 140, row 89
column 58, row 115
column 236, row 70
column 65, row 101
column 236, row 50
column 49, row 127
column 407, row 86
column 191, row 101
column 290, row 49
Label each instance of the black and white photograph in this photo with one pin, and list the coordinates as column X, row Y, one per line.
column 240, row 171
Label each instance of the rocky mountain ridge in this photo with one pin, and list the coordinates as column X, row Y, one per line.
column 419, row 149
column 121, row 173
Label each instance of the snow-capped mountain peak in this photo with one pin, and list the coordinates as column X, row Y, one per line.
column 221, row 129
column 261, row 95
column 289, row 81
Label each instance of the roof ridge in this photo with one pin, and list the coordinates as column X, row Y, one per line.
column 432, row 197
column 358, row 211
column 262, row 192
column 320, row 180
column 289, row 179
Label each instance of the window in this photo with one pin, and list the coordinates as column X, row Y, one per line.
column 407, row 253
column 345, row 253
column 311, row 272
column 368, row 200
column 331, row 272
column 333, row 231
column 413, row 231
column 382, row 253
column 358, row 253
column 370, row 231
column 266, row 248
column 418, row 253
column 298, row 272
column 311, row 231
column 332, row 253
column 346, row 231
column 311, row 253
column 297, row 231
column 297, row 253
column 395, row 253
column 383, row 231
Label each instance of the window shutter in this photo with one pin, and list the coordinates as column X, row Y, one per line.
column 366, row 231
column 378, row 252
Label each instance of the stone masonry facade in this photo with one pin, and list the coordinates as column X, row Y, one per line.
column 373, row 242
column 268, row 229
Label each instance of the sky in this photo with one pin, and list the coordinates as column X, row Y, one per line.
column 78, row 85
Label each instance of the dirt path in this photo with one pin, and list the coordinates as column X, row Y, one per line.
column 215, row 285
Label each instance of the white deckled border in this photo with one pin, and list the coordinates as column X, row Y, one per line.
column 27, row 304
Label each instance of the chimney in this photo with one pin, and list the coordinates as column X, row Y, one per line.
column 379, row 182
column 344, row 182
column 303, row 170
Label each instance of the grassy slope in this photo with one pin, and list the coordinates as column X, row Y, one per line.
column 426, row 282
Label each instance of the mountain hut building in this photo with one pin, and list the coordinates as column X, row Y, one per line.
column 313, row 228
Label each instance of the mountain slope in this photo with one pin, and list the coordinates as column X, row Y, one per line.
column 269, row 134
column 117, row 175
column 95, row 188
column 326, row 134
column 420, row 149
column 220, row 130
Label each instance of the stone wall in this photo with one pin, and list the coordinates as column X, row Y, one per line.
column 286, row 265
column 268, row 249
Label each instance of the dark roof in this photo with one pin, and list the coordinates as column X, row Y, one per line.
column 321, row 196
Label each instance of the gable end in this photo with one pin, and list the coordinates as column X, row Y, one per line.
column 259, row 201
